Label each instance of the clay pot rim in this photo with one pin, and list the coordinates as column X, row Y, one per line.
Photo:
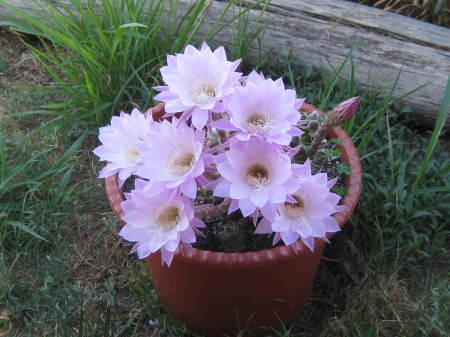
column 271, row 255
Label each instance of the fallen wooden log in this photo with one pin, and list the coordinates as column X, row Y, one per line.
column 321, row 33
column 313, row 31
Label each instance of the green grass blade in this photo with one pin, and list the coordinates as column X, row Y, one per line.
column 337, row 75
column 438, row 127
column 24, row 228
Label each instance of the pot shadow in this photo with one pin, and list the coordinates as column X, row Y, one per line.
column 339, row 272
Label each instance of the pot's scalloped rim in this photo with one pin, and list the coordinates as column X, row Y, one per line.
column 266, row 256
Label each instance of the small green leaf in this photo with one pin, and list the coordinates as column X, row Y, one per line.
column 343, row 168
column 333, row 153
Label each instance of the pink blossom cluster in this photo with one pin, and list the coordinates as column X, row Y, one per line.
column 224, row 132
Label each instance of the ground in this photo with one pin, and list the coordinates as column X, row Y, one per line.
column 93, row 254
column 83, row 282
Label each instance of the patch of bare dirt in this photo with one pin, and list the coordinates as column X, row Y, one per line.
column 18, row 66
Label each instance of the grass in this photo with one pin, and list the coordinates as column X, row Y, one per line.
column 388, row 266
column 398, row 233
column 111, row 56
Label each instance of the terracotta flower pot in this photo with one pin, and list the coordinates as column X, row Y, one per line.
column 222, row 293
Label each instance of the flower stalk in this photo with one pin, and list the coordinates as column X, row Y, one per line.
column 341, row 113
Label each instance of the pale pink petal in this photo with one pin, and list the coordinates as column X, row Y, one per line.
column 188, row 236
column 259, row 197
column 236, row 159
column 280, row 225
column 198, row 169
column 227, row 172
column 171, row 245
column 108, row 170
column 219, row 106
column 332, row 182
column 331, row 225
column 161, row 88
column 143, row 250
column 269, row 211
column 264, row 227
column 247, row 207
column 199, row 118
column 309, row 242
column 277, row 194
column 198, row 223
column 289, row 237
column 242, row 136
column 298, row 103
column 276, row 238
column 295, row 132
column 234, row 205
column 189, row 188
column 222, row 189
column 239, row 190
column 164, row 96
column 174, row 106
column 223, row 124
column 166, row 256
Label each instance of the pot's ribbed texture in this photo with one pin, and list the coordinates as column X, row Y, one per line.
column 222, row 293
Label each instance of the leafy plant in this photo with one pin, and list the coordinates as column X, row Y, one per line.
column 101, row 54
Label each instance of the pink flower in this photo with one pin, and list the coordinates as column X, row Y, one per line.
column 310, row 215
column 263, row 108
column 197, row 80
column 172, row 156
column 255, row 174
column 119, row 144
column 158, row 222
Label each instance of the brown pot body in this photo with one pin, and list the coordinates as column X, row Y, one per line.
column 219, row 300
column 220, row 294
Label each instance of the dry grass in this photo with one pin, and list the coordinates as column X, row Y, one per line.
column 434, row 11
column 385, row 309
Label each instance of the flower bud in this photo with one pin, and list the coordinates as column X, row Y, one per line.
column 345, row 110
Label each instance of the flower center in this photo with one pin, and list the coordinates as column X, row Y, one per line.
column 131, row 155
column 168, row 217
column 257, row 176
column 203, row 94
column 295, row 210
column 181, row 164
column 259, row 122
